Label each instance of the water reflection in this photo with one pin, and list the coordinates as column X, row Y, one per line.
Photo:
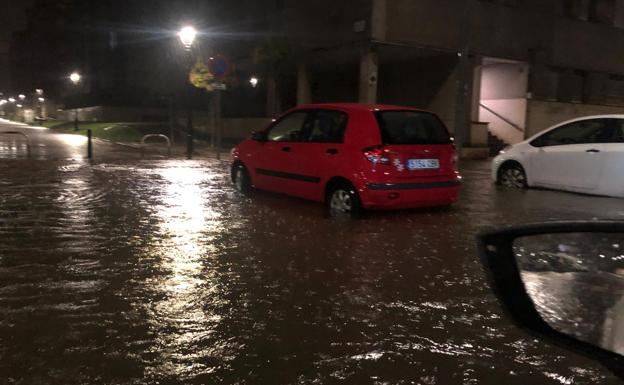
column 187, row 223
column 576, row 282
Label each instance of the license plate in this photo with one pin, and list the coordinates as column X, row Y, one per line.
column 423, row 164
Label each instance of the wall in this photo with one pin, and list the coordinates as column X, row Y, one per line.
column 503, row 90
column 326, row 23
column 504, row 31
column 513, row 110
column 113, row 114
column 419, row 80
column 542, row 115
column 234, row 130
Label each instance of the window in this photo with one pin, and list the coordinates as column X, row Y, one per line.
column 586, row 131
column 289, row 128
column 618, row 136
column 411, row 127
column 327, row 126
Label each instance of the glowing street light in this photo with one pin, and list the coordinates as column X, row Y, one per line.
column 19, row 106
column 39, row 91
column 253, row 81
column 12, row 100
column 75, row 77
column 21, row 96
column 41, row 100
column 187, row 36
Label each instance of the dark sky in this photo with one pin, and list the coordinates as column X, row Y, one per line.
column 11, row 19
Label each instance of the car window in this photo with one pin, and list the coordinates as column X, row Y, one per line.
column 326, row 126
column 586, row 131
column 289, row 128
column 411, row 127
column 618, row 134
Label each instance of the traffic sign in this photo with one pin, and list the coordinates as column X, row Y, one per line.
column 219, row 86
column 219, row 67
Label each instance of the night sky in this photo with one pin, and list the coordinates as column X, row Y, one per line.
column 12, row 18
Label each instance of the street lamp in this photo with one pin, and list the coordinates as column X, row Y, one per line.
column 75, row 78
column 253, row 81
column 187, row 36
column 21, row 96
column 12, row 100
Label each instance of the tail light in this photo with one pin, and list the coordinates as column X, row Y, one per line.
column 377, row 155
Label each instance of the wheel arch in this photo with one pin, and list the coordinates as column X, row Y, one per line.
column 509, row 163
column 333, row 181
column 235, row 165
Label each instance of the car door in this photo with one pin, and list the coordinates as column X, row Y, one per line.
column 276, row 168
column 571, row 156
column 613, row 175
column 322, row 153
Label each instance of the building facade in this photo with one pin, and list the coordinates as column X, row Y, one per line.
column 519, row 65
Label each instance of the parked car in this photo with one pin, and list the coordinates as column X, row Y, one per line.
column 582, row 155
column 352, row 157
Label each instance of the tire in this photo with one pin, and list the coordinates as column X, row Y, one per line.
column 343, row 201
column 512, row 176
column 241, row 179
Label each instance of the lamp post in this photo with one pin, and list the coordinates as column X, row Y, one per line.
column 75, row 79
column 187, row 36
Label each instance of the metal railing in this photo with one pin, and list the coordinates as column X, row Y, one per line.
column 161, row 136
column 501, row 117
column 28, row 142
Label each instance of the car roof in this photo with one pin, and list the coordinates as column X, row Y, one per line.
column 357, row 107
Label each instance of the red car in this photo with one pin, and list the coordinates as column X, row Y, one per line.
column 352, row 157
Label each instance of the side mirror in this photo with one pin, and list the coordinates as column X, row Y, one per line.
column 563, row 283
column 259, row 136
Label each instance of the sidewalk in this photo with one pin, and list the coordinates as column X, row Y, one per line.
column 178, row 150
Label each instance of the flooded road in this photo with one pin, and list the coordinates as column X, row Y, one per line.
column 129, row 271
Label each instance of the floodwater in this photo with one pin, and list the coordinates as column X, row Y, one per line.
column 129, row 271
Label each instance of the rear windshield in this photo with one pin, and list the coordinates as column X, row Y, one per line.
column 411, row 127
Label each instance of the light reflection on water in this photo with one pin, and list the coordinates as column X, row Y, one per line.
column 187, row 222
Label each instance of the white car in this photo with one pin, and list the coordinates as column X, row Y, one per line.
column 583, row 155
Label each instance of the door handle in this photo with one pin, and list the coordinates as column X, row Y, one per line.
column 332, row 151
column 286, row 149
column 592, row 150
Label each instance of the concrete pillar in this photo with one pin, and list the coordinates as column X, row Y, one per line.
column 369, row 76
column 476, row 89
column 463, row 91
column 378, row 20
column 303, row 83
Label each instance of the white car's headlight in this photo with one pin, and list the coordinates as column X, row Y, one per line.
column 504, row 150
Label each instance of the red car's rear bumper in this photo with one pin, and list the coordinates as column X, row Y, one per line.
column 409, row 195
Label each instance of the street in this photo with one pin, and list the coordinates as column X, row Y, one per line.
column 129, row 271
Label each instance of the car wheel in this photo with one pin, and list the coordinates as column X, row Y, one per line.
column 512, row 176
column 241, row 180
column 343, row 202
